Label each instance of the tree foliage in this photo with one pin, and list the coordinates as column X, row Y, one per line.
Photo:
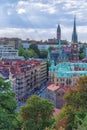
column 21, row 51
column 76, row 105
column 37, row 114
column 35, row 48
column 51, row 48
column 81, row 56
column 7, row 106
column 81, row 53
column 30, row 54
column 43, row 54
column 83, row 125
column 27, row 53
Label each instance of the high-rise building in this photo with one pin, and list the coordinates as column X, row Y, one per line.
column 74, row 34
column 58, row 32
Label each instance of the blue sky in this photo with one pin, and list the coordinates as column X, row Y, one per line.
column 38, row 19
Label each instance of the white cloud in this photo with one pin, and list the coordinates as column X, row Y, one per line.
column 38, row 34
column 48, row 8
column 82, row 30
column 44, row 34
column 43, row 15
column 9, row 13
column 21, row 11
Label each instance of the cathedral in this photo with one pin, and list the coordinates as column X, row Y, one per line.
column 67, row 52
column 64, row 69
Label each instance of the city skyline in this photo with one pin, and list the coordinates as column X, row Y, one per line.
column 38, row 19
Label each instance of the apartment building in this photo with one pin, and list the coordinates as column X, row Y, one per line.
column 55, row 95
column 26, row 76
column 8, row 51
column 43, row 72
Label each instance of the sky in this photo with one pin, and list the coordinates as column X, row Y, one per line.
column 38, row 19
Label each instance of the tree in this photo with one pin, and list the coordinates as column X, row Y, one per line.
column 37, row 114
column 7, row 106
column 51, row 48
column 21, row 51
column 76, row 104
column 32, row 54
column 83, row 126
column 43, row 54
column 27, row 53
column 81, row 56
column 35, row 48
column 81, row 52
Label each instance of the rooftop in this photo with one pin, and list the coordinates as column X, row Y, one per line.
column 52, row 87
column 68, row 69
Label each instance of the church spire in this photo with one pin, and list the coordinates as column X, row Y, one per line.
column 58, row 33
column 74, row 34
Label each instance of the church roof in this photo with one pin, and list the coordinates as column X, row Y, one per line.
column 74, row 34
column 67, row 69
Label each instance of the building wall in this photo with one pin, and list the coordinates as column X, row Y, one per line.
column 67, row 74
column 60, row 98
column 7, row 51
column 29, row 80
column 75, row 52
column 63, row 81
column 56, row 97
column 43, row 72
column 25, row 76
column 51, row 96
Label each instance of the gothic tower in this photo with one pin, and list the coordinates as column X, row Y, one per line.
column 75, row 52
column 74, row 34
column 58, row 33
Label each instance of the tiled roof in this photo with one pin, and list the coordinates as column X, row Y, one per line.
column 19, row 66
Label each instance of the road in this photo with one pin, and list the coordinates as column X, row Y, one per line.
column 41, row 93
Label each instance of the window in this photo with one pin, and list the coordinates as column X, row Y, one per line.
column 56, row 84
column 62, row 93
column 58, row 94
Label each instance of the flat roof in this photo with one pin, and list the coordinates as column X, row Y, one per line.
column 52, row 87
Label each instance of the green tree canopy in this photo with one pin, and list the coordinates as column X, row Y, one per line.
column 81, row 56
column 43, row 54
column 37, row 114
column 81, row 52
column 32, row 53
column 75, row 109
column 27, row 53
column 51, row 48
column 7, row 106
column 35, row 48
column 21, row 51
column 83, row 126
